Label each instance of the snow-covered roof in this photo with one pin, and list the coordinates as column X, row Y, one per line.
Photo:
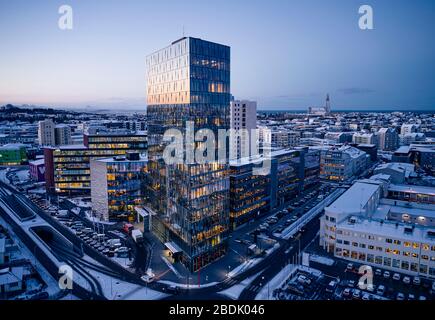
column 412, row 189
column 354, row 199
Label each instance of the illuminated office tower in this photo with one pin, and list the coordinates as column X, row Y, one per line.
column 189, row 81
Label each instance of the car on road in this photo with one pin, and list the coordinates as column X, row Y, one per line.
column 406, row 280
column 396, row 277
column 147, row 278
column 421, row 298
column 411, row 296
column 386, row 274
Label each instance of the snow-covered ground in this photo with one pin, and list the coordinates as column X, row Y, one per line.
column 235, row 291
column 186, row 286
column 251, row 262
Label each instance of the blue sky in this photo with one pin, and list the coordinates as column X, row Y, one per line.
column 285, row 54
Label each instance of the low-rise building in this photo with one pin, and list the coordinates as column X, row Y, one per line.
column 13, row 154
column 117, row 186
column 37, row 170
column 375, row 223
column 342, row 163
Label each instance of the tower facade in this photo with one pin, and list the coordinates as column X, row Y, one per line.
column 189, row 81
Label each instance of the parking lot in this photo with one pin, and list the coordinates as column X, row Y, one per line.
column 386, row 284
column 111, row 243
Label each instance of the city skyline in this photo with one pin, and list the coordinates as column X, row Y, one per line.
column 101, row 62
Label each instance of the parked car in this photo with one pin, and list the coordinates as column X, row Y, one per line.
column 416, row 281
column 381, row 290
column 396, row 276
column 349, row 267
column 406, row 280
column 386, row 274
column 347, row 292
column 400, row 296
column 366, row 296
column 378, row 272
column 356, row 294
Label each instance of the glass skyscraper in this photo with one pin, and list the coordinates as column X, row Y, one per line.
column 189, row 81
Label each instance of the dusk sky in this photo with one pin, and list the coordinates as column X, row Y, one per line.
column 284, row 54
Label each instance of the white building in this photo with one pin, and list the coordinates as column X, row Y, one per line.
column 383, row 225
column 243, row 119
column 364, row 138
column 46, row 136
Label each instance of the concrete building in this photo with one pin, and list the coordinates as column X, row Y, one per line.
column 243, row 119
column 383, row 225
column 282, row 138
column 46, row 133
column 388, row 139
column 341, row 163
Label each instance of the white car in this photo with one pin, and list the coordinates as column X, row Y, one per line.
column 416, row 281
column 147, row 278
column 406, row 280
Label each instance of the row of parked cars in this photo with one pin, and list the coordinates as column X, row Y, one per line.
column 99, row 241
column 381, row 290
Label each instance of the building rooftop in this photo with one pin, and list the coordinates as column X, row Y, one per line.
column 355, row 198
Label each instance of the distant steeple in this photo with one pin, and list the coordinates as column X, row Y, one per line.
column 328, row 104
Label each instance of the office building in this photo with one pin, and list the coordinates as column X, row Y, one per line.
column 13, row 154
column 383, row 225
column 189, row 81
column 67, row 168
column 117, row 186
column 243, row 120
column 342, row 163
column 252, row 195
